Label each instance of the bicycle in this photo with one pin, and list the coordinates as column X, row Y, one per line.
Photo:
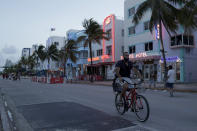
column 132, row 100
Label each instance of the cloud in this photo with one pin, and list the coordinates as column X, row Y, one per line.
column 9, row 50
column 2, row 60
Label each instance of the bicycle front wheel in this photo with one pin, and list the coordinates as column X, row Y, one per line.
column 141, row 108
column 120, row 104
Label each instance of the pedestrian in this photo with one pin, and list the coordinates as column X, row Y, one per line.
column 171, row 80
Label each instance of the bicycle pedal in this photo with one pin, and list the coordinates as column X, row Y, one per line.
column 126, row 107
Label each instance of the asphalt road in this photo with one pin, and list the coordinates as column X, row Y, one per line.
column 88, row 107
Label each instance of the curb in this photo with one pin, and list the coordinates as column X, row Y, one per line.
column 12, row 120
column 159, row 88
column 4, row 117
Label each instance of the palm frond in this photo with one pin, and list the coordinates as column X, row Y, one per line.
column 169, row 17
column 180, row 2
column 141, row 10
column 189, row 11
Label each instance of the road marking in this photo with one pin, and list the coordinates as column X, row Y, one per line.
column 5, row 104
column 136, row 128
column 10, row 115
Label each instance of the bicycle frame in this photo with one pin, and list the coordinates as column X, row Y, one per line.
column 132, row 97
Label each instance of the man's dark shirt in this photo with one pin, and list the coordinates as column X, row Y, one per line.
column 124, row 69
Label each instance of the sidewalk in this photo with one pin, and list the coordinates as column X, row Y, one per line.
column 179, row 87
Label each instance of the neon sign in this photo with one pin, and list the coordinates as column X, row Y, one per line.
column 171, row 59
column 94, row 59
column 141, row 55
column 108, row 21
column 105, row 57
column 157, row 32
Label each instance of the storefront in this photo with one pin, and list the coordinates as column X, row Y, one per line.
column 100, row 70
column 147, row 63
column 175, row 61
column 153, row 66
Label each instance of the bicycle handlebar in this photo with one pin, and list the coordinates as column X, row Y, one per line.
column 138, row 83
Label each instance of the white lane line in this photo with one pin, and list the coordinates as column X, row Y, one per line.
column 5, row 104
column 10, row 115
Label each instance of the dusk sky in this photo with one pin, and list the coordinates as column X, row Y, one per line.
column 27, row 22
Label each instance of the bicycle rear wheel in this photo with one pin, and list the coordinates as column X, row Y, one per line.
column 141, row 108
column 120, row 104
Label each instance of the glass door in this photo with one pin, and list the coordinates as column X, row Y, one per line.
column 148, row 69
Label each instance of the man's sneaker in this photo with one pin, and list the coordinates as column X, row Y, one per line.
column 132, row 110
column 126, row 106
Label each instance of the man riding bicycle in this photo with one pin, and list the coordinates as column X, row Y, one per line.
column 123, row 70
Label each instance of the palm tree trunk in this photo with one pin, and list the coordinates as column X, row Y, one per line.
column 37, row 64
column 64, row 68
column 48, row 67
column 91, row 75
column 163, row 53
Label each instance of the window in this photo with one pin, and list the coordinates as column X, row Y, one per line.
column 109, row 50
column 185, row 40
column 131, row 11
column 109, row 34
column 173, row 41
column 99, row 52
column 56, row 43
column 122, row 33
column 83, row 54
column 110, row 67
column 146, row 25
column 181, row 40
column 131, row 30
column 191, row 40
column 131, row 49
column 149, row 46
column 122, row 49
column 92, row 53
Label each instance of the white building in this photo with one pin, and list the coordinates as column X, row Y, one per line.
column 77, row 70
column 26, row 52
column 33, row 48
column 144, row 47
column 59, row 41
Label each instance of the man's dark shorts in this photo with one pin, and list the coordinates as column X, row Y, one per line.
column 170, row 85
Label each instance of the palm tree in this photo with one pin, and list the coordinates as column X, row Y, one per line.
column 188, row 11
column 38, row 54
column 69, row 51
column 50, row 53
column 31, row 62
column 162, row 13
column 93, row 34
column 23, row 61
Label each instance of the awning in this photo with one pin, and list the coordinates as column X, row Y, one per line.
column 100, row 64
column 153, row 57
